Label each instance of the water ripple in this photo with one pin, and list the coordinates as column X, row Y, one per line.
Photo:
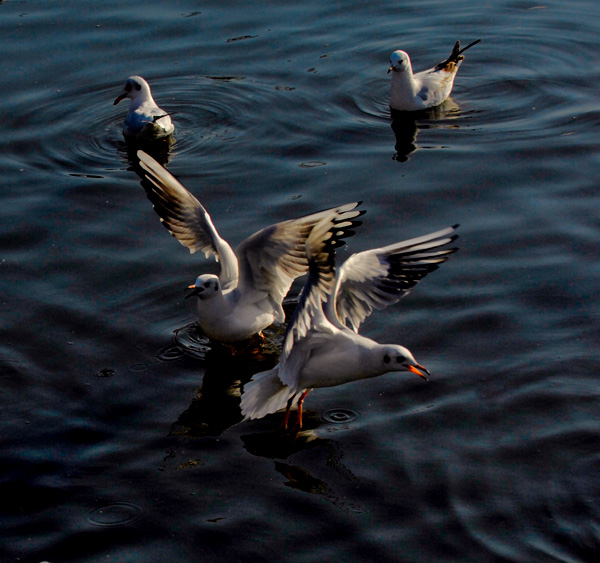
column 115, row 514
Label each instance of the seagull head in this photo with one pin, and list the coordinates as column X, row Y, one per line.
column 134, row 86
column 399, row 61
column 398, row 358
column 205, row 287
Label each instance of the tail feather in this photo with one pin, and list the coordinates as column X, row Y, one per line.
column 456, row 54
column 265, row 394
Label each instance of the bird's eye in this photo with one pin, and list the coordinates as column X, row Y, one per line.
column 138, row 87
column 128, row 87
column 207, row 284
column 400, row 359
column 386, row 359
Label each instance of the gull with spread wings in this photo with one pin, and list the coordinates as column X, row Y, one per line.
column 319, row 350
column 246, row 296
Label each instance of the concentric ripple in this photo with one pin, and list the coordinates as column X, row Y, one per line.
column 212, row 116
column 113, row 515
column 191, row 341
column 339, row 416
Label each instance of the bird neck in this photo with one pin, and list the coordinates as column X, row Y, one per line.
column 403, row 85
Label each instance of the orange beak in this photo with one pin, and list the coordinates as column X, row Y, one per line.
column 194, row 290
column 420, row 371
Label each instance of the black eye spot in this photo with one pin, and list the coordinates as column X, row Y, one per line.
column 138, row 87
column 400, row 359
column 207, row 284
column 128, row 87
column 386, row 359
column 216, row 287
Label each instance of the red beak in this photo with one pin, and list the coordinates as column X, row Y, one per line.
column 420, row 371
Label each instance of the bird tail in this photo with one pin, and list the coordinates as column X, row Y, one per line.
column 265, row 394
column 456, row 55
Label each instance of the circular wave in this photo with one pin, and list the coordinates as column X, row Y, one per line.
column 339, row 416
column 212, row 116
column 115, row 514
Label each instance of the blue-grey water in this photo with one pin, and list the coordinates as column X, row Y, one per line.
column 121, row 437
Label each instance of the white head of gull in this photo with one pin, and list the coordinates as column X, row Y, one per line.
column 144, row 120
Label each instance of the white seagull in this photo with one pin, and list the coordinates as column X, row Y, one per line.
column 319, row 350
column 144, row 120
column 427, row 89
column 246, row 296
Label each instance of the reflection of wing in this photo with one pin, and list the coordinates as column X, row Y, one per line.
column 377, row 278
column 273, row 257
column 324, row 238
column 185, row 218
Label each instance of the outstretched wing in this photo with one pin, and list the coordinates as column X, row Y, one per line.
column 187, row 220
column 273, row 257
column 308, row 317
column 380, row 277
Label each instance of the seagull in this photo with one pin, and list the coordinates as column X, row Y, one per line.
column 319, row 349
column 427, row 89
column 145, row 120
column 246, row 296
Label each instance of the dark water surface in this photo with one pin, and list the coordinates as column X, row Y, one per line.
column 120, row 436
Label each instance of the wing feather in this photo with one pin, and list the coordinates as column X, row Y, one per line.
column 186, row 219
column 380, row 277
column 271, row 259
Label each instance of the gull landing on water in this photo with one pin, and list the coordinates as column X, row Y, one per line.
column 246, row 297
column 427, row 89
column 319, row 350
column 144, row 120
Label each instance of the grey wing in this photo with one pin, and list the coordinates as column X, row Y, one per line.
column 273, row 257
column 380, row 277
column 308, row 322
column 186, row 219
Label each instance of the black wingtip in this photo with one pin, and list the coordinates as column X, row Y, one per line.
column 468, row 46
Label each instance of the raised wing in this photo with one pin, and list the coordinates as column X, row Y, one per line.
column 187, row 220
column 273, row 257
column 380, row 277
column 308, row 318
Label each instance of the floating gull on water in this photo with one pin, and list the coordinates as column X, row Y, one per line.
column 319, row 350
column 427, row 89
column 145, row 120
column 247, row 294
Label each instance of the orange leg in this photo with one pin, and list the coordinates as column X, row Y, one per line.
column 286, row 418
column 300, row 403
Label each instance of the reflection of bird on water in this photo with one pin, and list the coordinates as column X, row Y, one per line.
column 144, row 120
column 405, row 130
column 216, row 405
column 407, row 124
column 247, row 295
column 319, row 349
column 425, row 89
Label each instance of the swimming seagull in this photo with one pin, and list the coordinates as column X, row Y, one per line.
column 427, row 89
column 144, row 120
column 247, row 294
column 319, row 350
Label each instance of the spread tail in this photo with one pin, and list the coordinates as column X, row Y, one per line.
column 265, row 394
